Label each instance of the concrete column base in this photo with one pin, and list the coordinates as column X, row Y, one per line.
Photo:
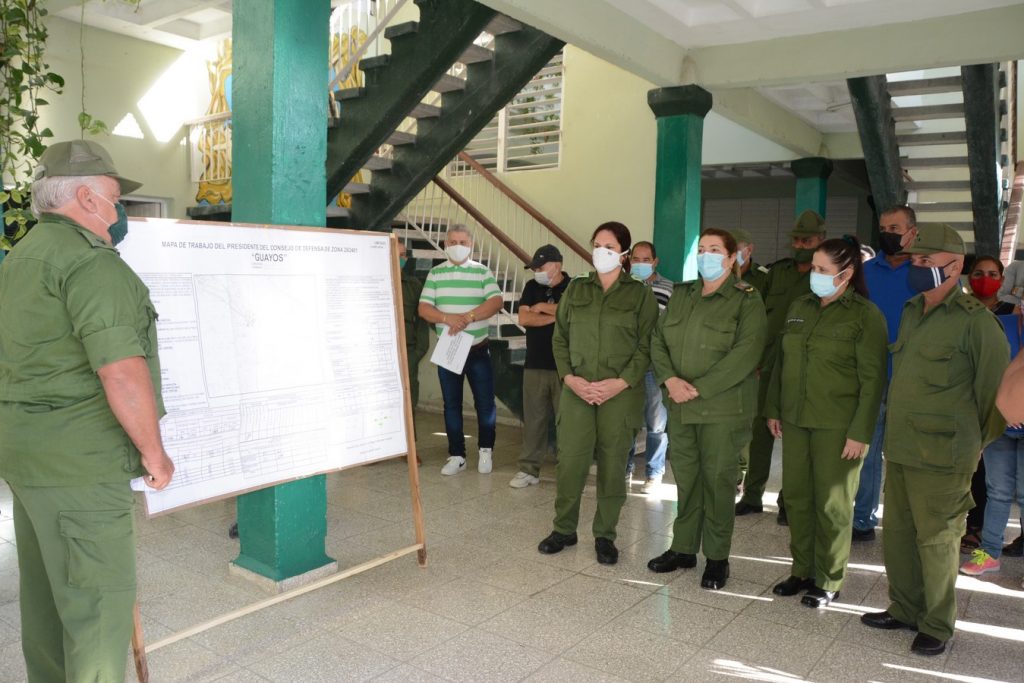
column 271, row 586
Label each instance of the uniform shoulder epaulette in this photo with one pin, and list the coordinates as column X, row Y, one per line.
column 970, row 304
column 762, row 269
column 744, row 286
column 582, row 276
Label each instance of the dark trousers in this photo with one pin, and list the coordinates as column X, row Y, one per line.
column 481, row 382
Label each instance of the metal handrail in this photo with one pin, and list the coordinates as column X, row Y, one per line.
column 353, row 62
column 484, row 222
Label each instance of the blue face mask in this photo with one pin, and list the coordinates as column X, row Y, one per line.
column 642, row 271
column 825, row 285
column 710, row 265
column 740, row 258
column 923, row 279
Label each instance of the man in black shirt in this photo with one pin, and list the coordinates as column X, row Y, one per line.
column 541, row 386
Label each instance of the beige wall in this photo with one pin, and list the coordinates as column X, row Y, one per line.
column 120, row 72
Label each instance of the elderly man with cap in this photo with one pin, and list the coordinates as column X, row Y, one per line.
column 750, row 272
column 947, row 363
column 541, row 386
column 787, row 279
column 79, row 416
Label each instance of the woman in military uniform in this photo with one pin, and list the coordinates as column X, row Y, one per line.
column 823, row 397
column 705, row 350
column 601, row 345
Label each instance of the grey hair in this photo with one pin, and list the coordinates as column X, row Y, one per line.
column 54, row 192
column 459, row 228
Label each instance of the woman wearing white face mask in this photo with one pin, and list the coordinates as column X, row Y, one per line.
column 601, row 345
column 823, row 401
column 705, row 351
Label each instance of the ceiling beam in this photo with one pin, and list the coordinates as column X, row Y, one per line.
column 971, row 38
column 757, row 113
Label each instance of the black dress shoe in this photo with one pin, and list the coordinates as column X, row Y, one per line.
column 925, row 644
column 782, row 519
column 556, row 542
column 1015, row 548
column 817, row 597
column 863, row 535
column 792, row 586
column 670, row 560
column 884, row 620
column 746, row 508
column 715, row 574
column 607, row 553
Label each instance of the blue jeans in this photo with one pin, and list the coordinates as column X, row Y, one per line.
column 865, row 505
column 656, row 417
column 1004, row 479
column 481, row 382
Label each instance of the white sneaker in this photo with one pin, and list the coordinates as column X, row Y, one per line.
column 484, row 466
column 651, row 485
column 454, row 465
column 522, row 480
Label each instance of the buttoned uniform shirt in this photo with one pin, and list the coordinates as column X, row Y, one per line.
column 889, row 290
column 783, row 284
column 606, row 334
column 831, row 369
column 713, row 342
column 68, row 306
column 947, row 365
column 756, row 276
column 417, row 331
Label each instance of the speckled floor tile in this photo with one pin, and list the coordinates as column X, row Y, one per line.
column 631, row 653
column 481, row 656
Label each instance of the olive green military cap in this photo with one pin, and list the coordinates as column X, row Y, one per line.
column 742, row 236
column 935, row 237
column 81, row 158
column 808, row 224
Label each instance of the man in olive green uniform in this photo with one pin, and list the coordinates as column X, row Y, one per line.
column 600, row 335
column 750, row 271
column 947, row 363
column 417, row 331
column 79, row 416
column 786, row 280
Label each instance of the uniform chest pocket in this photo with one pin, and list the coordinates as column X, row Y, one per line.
column 838, row 342
column 619, row 314
column 719, row 334
column 936, row 362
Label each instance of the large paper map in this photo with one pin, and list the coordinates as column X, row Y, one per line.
column 279, row 353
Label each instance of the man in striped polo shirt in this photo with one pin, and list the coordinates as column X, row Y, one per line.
column 462, row 295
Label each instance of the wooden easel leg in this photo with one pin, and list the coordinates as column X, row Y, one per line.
column 139, row 647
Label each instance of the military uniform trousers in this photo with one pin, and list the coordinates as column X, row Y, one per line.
column 76, row 557
column 705, row 462
column 541, row 393
column 414, row 357
column 924, row 519
column 820, row 487
column 587, row 433
column 759, row 451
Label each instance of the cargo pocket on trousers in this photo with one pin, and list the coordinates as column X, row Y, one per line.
column 100, row 548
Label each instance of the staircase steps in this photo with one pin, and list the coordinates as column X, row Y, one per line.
column 942, row 185
column 948, row 207
column 449, row 83
column 918, row 139
column 503, row 24
column 928, row 112
column 474, row 54
column 926, row 86
column 933, row 162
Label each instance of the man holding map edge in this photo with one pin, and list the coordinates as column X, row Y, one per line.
column 79, row 416
column 462, row 295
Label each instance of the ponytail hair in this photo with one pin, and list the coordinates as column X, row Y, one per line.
column 844, row 252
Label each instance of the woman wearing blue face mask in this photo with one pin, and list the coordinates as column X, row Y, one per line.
column 705, row 350
column 823, row 401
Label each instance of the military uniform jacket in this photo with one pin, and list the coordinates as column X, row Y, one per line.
column 417, row 331
column 713, row 342
column 783, row 284
column 602, row 335
column 756, row 276
column 831, row 368
column 68, row 306
column 947, row 365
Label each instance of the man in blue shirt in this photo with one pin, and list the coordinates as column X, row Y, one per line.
column 886, row 276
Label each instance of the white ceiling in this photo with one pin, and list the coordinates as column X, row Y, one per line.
column 700, row 23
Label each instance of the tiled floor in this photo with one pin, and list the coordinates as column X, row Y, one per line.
column 489, row 607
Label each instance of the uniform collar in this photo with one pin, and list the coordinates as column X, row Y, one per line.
column 593, row 278
column 727, row 289
column 92, row 238
column 947, row 301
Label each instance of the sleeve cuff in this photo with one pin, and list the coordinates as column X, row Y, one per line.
column 111, row 345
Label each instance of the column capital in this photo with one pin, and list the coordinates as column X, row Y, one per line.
column 811, row 167
column 679, row 100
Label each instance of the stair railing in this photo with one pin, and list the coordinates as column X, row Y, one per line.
column 378, row 15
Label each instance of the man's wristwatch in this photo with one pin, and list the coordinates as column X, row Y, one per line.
column 472, row 316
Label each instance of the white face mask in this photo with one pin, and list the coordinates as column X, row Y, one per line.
column 606, row 260
column 542, row 278
column 457, row 253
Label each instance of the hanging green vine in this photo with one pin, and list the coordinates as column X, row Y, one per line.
column 25, row 76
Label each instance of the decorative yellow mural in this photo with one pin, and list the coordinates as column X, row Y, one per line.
column 214, row 143
column 343, row 48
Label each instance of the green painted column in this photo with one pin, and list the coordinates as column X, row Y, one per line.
column 811, row 183
column 680, row 112
column 279, row 154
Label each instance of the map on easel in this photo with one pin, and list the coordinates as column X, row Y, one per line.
column 279, row 352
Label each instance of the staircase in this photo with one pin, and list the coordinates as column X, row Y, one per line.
column 445, row 77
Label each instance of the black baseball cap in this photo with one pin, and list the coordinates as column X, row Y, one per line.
column 545, row 254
